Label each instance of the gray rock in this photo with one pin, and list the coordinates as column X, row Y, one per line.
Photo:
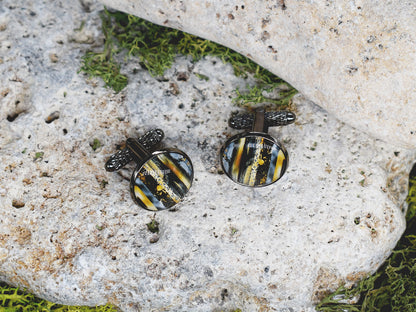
column 69, row 231
column 354, row 58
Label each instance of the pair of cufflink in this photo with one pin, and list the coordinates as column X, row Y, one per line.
column 164, row 176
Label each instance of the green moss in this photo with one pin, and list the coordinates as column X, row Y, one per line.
column 15, row 300
column 393, row 286
column 157, row 46
column 38, row 155
column 202, row 77
column 99, row 65
column 153, row 226
column 81, row 26
column 103, row 64
column 103, row 184
column 96, row 144
column 259, row 94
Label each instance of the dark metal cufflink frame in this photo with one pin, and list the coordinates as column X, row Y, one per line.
column 254, row 158
column 161, row 178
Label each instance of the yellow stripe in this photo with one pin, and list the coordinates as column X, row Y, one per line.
column 146, row 201
column 251, row 172
column 247, row 175
column 278, row 168
column 236, row 163
column 152, row 169
column 168, row 163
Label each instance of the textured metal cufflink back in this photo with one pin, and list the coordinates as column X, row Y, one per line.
column 255, row 158
column 161, row 178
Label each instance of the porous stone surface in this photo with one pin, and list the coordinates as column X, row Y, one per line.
column 70, row 232
column 357, row 59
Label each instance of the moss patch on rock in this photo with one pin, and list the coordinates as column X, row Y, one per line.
column 157, row 46
column 393, row 286
column 15, row 299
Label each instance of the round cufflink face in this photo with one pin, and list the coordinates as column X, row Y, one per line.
column 254, row 159
column 162, row 180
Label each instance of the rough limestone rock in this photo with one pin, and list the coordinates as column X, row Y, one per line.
column 70, row 232
column 357, row 59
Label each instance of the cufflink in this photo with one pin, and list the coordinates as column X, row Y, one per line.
column 254, row 158
column 162, row 177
